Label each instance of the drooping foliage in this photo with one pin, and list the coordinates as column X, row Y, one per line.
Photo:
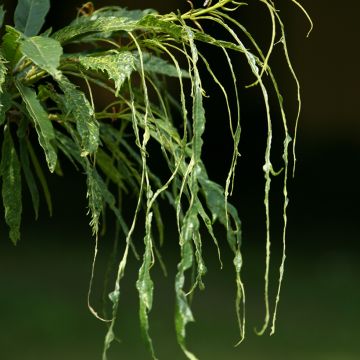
column 130, row 55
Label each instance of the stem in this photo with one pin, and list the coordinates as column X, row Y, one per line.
column 36, row 77
column 192, row 14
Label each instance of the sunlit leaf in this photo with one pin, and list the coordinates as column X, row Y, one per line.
column 117, row 65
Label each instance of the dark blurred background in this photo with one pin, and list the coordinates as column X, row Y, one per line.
column 44, row 279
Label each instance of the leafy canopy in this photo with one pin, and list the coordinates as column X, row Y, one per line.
column 131, row 55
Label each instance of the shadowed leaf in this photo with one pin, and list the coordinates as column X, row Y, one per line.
column 11, row 185
column 29, row 177
column 10, row 45
column 157, row 65
column 2, row 15
column 30, row 15
column 5, row 104
column 40, row 175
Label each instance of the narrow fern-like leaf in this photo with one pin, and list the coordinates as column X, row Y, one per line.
column 183, row 313
column 190, row 228
column 117, row 65
column 81, row 112
column 11, row 185
column 42, row 123
column 95, row 197
column 145, row 285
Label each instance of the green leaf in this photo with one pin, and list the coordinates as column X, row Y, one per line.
column 208, row 39
column 198, row 111
column 11, row 185
column 117, row 65
column 30, row 15
column 183, row 314
column 95, row 196
column 3, row 72
column 10, row 45
column 5, row 98
column 2, row 15
column 158, row 25
column 43, row 52
column 5, row 105
column 100, row 25
column 145, row 285
column 42, row 123
column 79, row 108
column 155, row 64
column 115, row 11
